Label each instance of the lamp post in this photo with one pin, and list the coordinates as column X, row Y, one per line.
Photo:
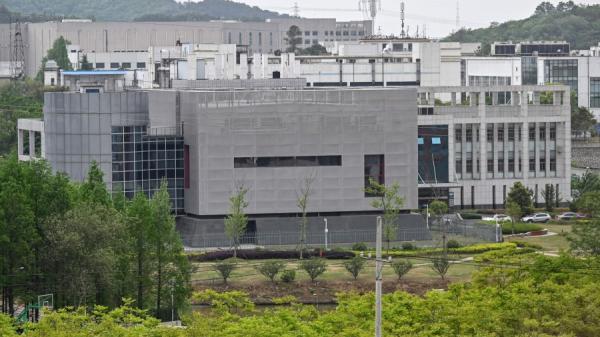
column 378, row 276
column 326, row 234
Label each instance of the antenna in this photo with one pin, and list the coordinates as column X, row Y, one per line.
column 402, row 32
column 296, row 10
column 17, row 52
column 370, row 8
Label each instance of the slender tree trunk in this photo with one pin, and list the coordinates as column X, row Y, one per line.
column 11, row 301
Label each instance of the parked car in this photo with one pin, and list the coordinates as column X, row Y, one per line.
column 538, row 217
column 567, row 216
column 498, row 218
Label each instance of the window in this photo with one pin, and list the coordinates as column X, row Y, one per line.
column 326, row 33
column 490, row 165
column 305, row 161
column 250, row 38
column 469, row 134
column 542, row 164
column 595, row 92
column 374, row 170
column 562, row 71
column 307, row 33
column 501, row 133
column 490, row 133
column 315, row 33
column 229, row 38
column 141, row 65
column 114, row 65
column 307, row 42
column 458, row 135
column 346, row 33
column 529, row 70
column 542, row 132
column 314, row 42
column 553, row 161
column 511, row 132
column 126, row 65
column 338, row 33
column 553, row 131
column 100, row 65
column 270, row 38
column 424, row 111
column 240, row 38
column 500, row 161
column 260, row 39
column 469, row 165
column 458, row 166
column 511, row 161
column 532, row 132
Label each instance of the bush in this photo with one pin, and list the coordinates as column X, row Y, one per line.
column 408, row 246
column 452, row 244
column 401, row 268
column 360, row 247
column 224, row 268
column 471, row 216
column 260, row 254
column 520, row 228
column 355, row 266
column 523, row 244
column 270, row 269
column 288, row 276
column 314, row 267
column 441, row 265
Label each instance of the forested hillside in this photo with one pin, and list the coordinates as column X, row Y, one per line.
column 577, row 24
column 130, row 10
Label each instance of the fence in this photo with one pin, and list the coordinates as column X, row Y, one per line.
column 456, row 226
column 292, row 238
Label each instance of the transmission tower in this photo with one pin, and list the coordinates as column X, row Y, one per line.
column 17, row 51
column 296, row 10
column 402, row 32
column 370, row 9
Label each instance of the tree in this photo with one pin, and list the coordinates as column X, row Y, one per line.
column 441, row 265
column 315, row 49
column 314, row 267
column 545, row 8
column 19, row 99
column 582, row 121
column 587, row 182
column 93, row 190
column 514, row 211
column 225, row 268
column 293, row 39
column 172, row 268
column 355, row 266
column 388, row 200
column 589, row 203
column 85, row 64
column 401, row 268
column 585, row 238
column 550, row 196
column 567, row 6
column 139, row 227
column 58, row 53
column 522, row 196
column 270, row 269
column 236, row 221
column 302, row 199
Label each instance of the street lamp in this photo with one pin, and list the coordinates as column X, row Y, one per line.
column 326, row 233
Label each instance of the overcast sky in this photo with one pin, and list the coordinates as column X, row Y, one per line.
column 438, row 15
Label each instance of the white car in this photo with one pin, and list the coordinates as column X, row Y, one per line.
column 538, row 217
column 498, row 218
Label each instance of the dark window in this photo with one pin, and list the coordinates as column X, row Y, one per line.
column 126, row 65
column 490, row 165
column 315, row 33
column 458, row 135
column 532, row 164
column 542, row 164
column 458, row 167
column 141, row 65
column 374, row 170
column 532, row 132
column 469, row 166
column 501, row 133
column 248, row 162
column 562, row 71
column 100, row 65
column 529, row 70
column 469, row 134
column 542, row 133
column 553, row 131
column 595, row 92
column 490, row 133
column 511, row 133
column 306, row 33
column 115, row 65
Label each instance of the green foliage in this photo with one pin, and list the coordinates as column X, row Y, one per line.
column 471, row 216
column 236, row 221
column 389, row 201
column 293, row 39
column 585, row 237
column 314, row 267
column 315, row 49
column 225, row 268
column 93, row 190
column 355, row 266
column 578, row 25
column 270, row 269
column 522, row 196
column 519, row 227
column 288, row 276
column 441, row 265
column 514, row 211
column 359, row 247
column 401, row 268
column 225, row 302
column 589, row 203
column 452, row 244
column 58, row 53
column 550, row 196
column 18, row 99
column 408, row 246
column 582, row 121
column 154, row 10
column 7, row 328
column 587, row 182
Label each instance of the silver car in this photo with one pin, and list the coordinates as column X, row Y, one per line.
column 538, row 218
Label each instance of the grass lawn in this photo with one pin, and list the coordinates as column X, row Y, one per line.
column 246, row 272
column 549, row 243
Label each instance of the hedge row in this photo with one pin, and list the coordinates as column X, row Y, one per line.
column 258, row 254
column 473, row 249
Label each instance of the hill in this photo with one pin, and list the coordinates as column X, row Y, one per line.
column 577, row 24
column 130, row 10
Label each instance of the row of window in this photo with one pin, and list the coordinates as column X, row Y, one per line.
column 513, row 133
column 300, row 161
column 124, row 65
column 513, row 165
column 595, row 92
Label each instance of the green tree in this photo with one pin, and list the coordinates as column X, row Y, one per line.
column 589, row 203
column 18, row 99
column 389, row 201
column 172, row 269
column 587, row 182
column 236, row 221
column 139, row 227
column 585, row 238
column 522, row 196
column 514, row 211
column 85, row 64
column 315, row 49
column 441, row 265
column 93, row 190
column 225, row 268
column 355, row 266
column 270, row 269
column 302, row 200
column 545, row 8
column 293, row 39
column 582, row 121
column 401, row 268
column 550, row 197
column 314, row 267
column 58, row 53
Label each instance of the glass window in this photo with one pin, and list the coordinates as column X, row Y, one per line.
column 553, row 131
column 543, row 132
column 114, row 65
column 100, row 65
column 562, row 71
column 595, row 92
column 469, row 134
column 458, row 135
column 501, row 133
column 374, row 170
column 141, row 65
column 126, row 65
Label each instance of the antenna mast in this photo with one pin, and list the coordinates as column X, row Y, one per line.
column 17, row 52
column 402, row 32
column 370, row 9
column 296, row 10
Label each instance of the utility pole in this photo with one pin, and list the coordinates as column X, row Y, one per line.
column 378, row 276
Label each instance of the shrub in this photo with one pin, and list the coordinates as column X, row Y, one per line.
column 270, row 269
column 314, row 267
column 520, row 227
column 441, row 265
column 224, row 268
column 471, row 216
column 260, row 254
column 288, row 276
column 523, row 244
column 452, row 244
column 401, row 268
column 408, row 246
column 360, row 247
column 355, row 266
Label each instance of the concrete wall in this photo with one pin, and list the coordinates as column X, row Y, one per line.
column 78, row 128
column 219, row 126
